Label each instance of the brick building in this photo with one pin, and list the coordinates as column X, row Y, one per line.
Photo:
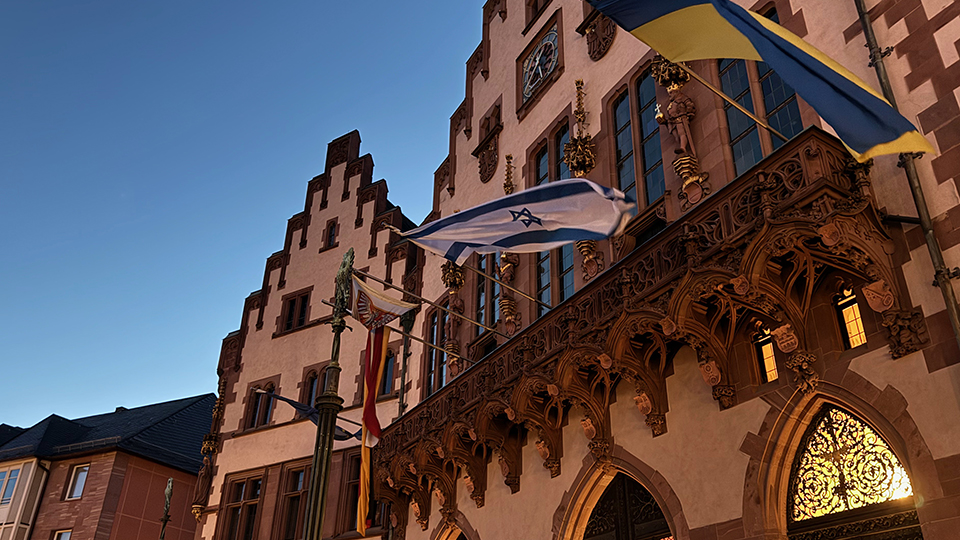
column 103, row 476
column 760, row 355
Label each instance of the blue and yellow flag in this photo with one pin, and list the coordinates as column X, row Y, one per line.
column 682, row 30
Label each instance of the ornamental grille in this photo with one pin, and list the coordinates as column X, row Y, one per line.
column 844, row 465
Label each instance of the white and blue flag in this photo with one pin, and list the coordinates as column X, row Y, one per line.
column 535, row 219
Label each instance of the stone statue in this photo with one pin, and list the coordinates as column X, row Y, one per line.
column 204, row 480
column 680, row 112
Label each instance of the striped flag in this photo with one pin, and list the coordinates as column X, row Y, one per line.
column 702, row 29
column 374, row 310
column 528, row 221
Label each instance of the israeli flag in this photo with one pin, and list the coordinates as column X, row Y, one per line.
column 532, row 220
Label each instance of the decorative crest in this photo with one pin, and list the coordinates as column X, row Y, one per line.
column 508, row 186
column 580, row 154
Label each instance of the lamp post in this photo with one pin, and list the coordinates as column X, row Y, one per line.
column 328, row 405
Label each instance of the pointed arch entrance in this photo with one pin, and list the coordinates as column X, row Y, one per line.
column 847, row 483
column 627, row 511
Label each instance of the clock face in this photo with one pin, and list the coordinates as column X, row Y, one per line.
column 540, row 63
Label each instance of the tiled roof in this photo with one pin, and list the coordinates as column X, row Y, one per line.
column 169, row 433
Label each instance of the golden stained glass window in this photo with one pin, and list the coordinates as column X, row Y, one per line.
column 766, row 359
column 844, row 465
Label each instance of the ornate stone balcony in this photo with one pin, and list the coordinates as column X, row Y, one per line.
column 759, row 251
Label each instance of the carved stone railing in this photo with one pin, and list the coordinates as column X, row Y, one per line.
column 715, row 254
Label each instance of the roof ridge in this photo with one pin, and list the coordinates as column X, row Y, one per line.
column 196, row 399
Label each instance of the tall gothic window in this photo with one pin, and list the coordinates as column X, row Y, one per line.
column 436, row 359
column 241, row 509
column 766, row 359
column 848, row 312
column 543, row 281
column 565, row 272
column 294, row 504
column 844, row 469
column 624, row 145
column 651, row 154
column 562, row 138
column 626, row 511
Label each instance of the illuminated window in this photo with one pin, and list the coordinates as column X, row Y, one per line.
column 766, row 359
column 843, row 465
column 849, row 313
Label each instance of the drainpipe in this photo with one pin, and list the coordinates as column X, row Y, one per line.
column 941, row 273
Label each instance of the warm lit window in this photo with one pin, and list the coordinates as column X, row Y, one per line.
column 623, row 139
column 261, row 407
column 843, row 465
column 389, row 366
column 295, row 312
column 766, row 359
column 62, row 535
column 543, row 281
column 294, row 504
column 848, row 312
column 77, row 480
column 8, row 483
column 650, row 152
column 243, row 497
column 436, row 359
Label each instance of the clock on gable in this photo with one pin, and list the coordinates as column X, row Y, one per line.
column 540, row 63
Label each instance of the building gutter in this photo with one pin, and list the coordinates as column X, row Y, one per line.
column 941, row 274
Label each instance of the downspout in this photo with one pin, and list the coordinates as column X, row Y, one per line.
column 941, row 273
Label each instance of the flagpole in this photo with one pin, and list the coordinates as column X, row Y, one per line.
column 415, row 338
column 942, row 275
column 472, row 269
column 731, row 101
column 328, row 405
column 454, row 313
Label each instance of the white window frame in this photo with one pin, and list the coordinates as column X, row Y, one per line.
column 73, row 481
column 59, row 535
column 6, row 479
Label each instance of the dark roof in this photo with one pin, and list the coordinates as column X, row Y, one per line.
column 169, row 433
column 8, row 432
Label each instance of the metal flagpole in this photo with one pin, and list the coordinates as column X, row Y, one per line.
column 942, row 275
column 328, row 405
column 434, row 304
column 472, row 269
column 731, row 101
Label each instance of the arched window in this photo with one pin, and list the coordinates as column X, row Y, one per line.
column 766, row 358
column 311, row 386
column 847, row 480
column 848, row 313
column 261, row 406
column 626, row 511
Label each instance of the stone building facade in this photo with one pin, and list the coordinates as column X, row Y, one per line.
column 760, row 355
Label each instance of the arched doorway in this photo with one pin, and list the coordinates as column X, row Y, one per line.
column 626, row 511
column 846, row 483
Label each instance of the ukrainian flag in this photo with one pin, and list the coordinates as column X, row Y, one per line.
column 682, row 30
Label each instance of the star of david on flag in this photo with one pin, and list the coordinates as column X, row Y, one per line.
column 535, row 219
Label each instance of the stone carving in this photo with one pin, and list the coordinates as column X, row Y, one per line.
column 725, row 394
column 644, row 405
column 201, row 493
column 710, row 373
column 452, row 275
column 830, row 234
column 589, row 430
column 508, row 266
column 580, row 153
column 592, row 258
column 879, row 296
column 600, row 36
column 668, row 326
column 657, row 424
column 543, row 449
column 509, row 313
column 785, row 338
column 806, row 379
column 740, row 284
column 907, row 331
column 605, row 361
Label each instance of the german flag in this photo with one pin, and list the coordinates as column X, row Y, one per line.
column 682, row 30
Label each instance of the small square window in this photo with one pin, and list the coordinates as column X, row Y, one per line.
column 62, row 535
column 77, row 480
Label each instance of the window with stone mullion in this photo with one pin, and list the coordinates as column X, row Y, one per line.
column 436, row 372
column 623, row 139
column 561, row 140
column 744, row 138
column 651, row 152
column 543, row 281
column 565, row 272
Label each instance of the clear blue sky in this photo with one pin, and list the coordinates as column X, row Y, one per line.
column 151, row 153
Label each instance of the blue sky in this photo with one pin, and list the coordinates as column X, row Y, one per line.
column 151, row 153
